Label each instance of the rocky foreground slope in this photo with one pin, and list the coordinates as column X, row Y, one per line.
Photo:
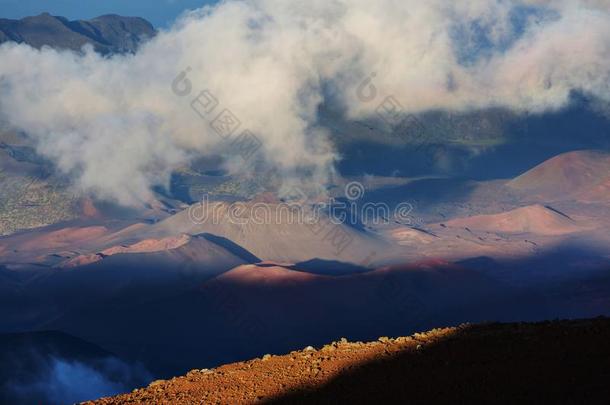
column 549, row 362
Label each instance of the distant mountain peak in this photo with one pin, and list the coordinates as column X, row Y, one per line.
column 108, row 33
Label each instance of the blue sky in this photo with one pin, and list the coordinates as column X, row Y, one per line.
column 160, row 12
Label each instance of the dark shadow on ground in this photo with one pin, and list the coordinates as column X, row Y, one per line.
column 551, row 362
column 328, row 267
column 527, row 141
column 232, row 247
column 174, row 319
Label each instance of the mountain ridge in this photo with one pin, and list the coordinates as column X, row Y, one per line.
column 107, row 34
column 465, row 364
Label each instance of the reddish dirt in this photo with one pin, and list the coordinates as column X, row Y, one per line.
column 550, row 362
column 63, row 238
column 598, row 193
column 89, row 209
column 144, row 246
column 535, row 219
column 570, row 174
column 267, row 273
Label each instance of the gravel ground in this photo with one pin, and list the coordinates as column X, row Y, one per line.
column 549, row 362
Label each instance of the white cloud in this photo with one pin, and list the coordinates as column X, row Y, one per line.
column 116, row 124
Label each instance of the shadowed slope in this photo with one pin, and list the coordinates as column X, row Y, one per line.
column 551, row 362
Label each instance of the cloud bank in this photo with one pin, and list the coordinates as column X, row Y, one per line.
column 61, row 381
column 122, row 124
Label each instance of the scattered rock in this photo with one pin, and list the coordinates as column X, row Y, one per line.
column 312, row 370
